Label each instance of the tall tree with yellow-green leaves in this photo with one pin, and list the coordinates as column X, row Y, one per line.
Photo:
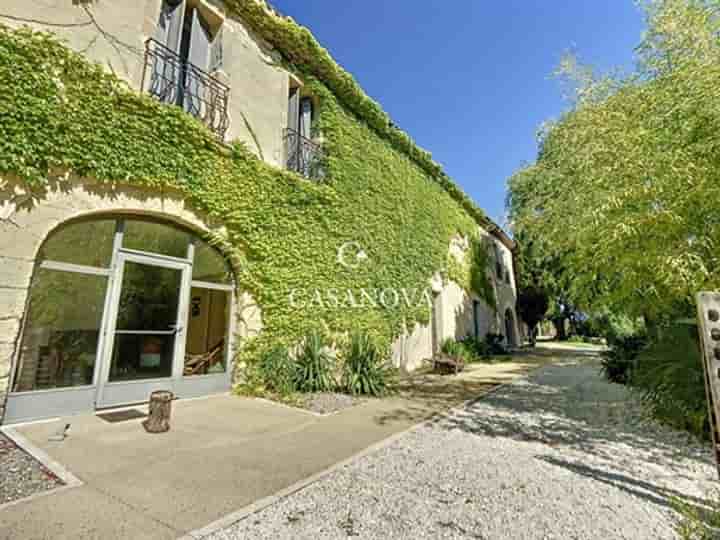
column 625, row 193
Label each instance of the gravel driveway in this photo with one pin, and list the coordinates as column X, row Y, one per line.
column 561, row 454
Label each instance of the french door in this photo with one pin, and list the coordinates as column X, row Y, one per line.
column 145, row 306
column 145, row 332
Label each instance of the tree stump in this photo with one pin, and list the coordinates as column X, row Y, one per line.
column 158, row 420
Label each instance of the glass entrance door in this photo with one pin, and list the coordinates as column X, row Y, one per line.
column 146, row 337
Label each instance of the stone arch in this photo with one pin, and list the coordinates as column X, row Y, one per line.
column 28, row 218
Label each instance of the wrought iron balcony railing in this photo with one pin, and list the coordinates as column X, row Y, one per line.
column 170, row 79
column 304, row 156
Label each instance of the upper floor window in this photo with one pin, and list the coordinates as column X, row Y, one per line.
column 181, row 60
column 303, row 155
column 499, row 266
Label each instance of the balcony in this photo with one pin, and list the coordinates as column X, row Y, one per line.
column 304, row 156
column 170, row 79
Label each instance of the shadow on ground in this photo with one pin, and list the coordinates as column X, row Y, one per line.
column 424, row 395
column 592, row 428
column 660, row 495
column 559, row 408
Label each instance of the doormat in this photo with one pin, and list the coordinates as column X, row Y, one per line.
column 121, row 416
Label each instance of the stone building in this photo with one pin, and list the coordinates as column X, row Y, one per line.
column 150, row 304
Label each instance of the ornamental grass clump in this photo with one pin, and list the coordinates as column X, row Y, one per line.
column 314, row 365
column 271, row 375
column 472, row 349
column 278, row 371
column 670, row 378
column 365, row 370
column 458, row 349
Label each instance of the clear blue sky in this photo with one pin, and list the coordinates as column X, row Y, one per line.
column 470, row 81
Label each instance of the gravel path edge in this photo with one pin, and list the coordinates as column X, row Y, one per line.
column 68, row 479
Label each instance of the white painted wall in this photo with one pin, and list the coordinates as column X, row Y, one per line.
column 455, row 310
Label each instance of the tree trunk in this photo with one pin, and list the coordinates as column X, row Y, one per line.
column 158, row 420
column 532, row 335
column 560, row 333
column 652, row 326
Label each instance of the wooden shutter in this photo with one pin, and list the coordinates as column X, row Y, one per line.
column 165, row 76
column 199, row 51
column 305, row 116
column 198, row 56
column 216, row 52
column 169, row 29
column 294, row 110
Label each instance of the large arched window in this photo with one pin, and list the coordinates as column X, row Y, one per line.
column 124, row 299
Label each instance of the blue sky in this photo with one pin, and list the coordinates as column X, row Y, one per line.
column 470, row 81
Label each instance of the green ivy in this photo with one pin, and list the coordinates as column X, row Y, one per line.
column 471, row 273
column 302, row 51
column 62, row 115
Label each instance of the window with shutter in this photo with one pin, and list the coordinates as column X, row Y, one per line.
column 498, row 262
column 294, row 109
column 306, row 110
column 198, row 56
column 186, row 49
column 303, row 155
column 165, row 75
column 175, row 15
column 216, row 52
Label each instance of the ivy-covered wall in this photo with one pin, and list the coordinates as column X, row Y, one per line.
column 60, row 114
column 303, row 52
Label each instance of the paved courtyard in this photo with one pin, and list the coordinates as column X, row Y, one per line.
column 560, row 455
column 223, row 453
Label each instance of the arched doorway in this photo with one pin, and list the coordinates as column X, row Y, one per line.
column 120, row 306
column 510, row 328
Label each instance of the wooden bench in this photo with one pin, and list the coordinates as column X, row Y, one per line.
column 445, row 364
column 196, row 364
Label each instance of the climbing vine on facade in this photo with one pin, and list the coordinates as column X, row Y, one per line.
column 62, row 118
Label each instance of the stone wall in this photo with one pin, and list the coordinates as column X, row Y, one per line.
column 455, row 310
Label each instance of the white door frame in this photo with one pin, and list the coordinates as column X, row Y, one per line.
column 110, row 323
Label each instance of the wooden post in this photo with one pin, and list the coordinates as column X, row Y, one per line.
column 708, row 305
column 158, row 420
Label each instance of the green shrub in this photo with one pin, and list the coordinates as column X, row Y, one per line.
column 252, row 382
column 698, row 523
column 314, row 366
column 495, row 345
column 476, row 348
column 616, row 328
column 278, row 371
column 618, row 361
column 272, row 374
column 457, row 349
column 472, row 349
column 669, row 374
column 365, row 369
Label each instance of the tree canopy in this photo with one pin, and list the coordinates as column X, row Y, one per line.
column 625, row 193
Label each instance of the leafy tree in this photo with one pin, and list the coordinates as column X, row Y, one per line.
column 625, row 193
column 532, row 305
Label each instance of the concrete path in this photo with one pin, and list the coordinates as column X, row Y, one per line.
column 222, row 454
column 561, row 455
